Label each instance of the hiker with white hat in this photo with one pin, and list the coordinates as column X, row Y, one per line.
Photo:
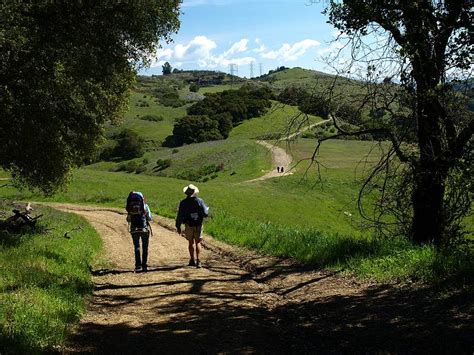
column 191, row 212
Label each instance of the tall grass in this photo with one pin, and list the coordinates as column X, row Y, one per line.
column 43, row 282
column 383, row 260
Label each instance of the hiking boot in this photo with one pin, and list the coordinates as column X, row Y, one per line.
column 138, row 268
column 145, row 268
column 191, row 262
column 198, row 264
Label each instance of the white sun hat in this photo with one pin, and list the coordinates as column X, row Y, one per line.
column 191, row 190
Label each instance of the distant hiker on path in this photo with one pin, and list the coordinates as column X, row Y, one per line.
column 138, row 217
column 191, row 212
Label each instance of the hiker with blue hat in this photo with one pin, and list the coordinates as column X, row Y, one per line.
column 191, row 212
column 139, row 217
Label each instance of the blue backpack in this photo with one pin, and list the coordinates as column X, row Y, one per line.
column 136, row 210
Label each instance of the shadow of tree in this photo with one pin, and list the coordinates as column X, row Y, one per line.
column 381, row 319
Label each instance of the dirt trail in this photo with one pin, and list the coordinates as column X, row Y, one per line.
column 280, row 157
column 241, row 302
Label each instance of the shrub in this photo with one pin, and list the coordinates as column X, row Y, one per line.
column 194, row 129
column 214, row 117
column 203, row 174
column 174, row 151
column 129, row 145
column 194, row 87
column 106, row 153
column 162, row 164
column 131, row 166
column 140, row 169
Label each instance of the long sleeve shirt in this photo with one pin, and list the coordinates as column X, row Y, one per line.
column 191, row 211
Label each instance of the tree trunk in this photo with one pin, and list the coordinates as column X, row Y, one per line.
column 430, row 173
column 428, row 212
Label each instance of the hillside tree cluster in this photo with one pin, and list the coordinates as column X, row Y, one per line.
column 214, row 117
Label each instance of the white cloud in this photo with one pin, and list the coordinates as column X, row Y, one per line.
column 204, row 52
column 237, row 47
column 199, row 47
column 164, row 53
column 200, row 50
column 289, row 52
column 332, row 49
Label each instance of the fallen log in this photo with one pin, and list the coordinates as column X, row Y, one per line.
column 19, row 220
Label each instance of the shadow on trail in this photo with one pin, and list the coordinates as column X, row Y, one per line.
column 103, row 272
column 381, row 319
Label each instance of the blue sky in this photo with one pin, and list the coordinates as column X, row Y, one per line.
column 216, row 33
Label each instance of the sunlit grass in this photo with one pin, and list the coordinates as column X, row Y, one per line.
column 43, row 282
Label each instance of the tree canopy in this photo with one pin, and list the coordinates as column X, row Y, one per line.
column 65, row 69
column 166, row 68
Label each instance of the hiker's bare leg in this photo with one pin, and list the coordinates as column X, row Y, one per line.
column 191, row 249
column 198, row 248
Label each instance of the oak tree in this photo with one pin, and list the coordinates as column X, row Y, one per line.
column 65, row 69
column 430, row 42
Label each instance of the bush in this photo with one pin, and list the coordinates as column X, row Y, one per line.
column 162, row 164
column 194, row 87
column 131, row 166
column 129, row 145
column 174, row 151
column 106, row 153
column 195, row 129
column 140, row 169
column 203, row 174
column 214, row 117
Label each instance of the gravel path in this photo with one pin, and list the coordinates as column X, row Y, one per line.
column 242, row 303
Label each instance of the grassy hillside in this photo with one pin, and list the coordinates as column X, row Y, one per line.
column 276, row 121
column 288, row 217
column 286, row 201
column 237, row 160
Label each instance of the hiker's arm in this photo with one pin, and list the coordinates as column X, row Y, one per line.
column 205, row 208
column 179, row 218
column 148, row 213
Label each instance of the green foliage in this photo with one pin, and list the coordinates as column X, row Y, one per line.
column 242, row 104
column 168, row 95
column 194, row 129
column 292, row 95
column 315, row 104
column 194, row 87
column 166, row 68
column 43, row 282
column 214, row 117
column 383, row 260
column 162, row 164
column 129, row 145
column 66, row 69
column 140, row 169
column 204, row 173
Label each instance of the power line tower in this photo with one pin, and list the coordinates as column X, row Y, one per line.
column 251, row 70
column 233, row 71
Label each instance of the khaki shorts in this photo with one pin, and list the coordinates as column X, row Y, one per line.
column 193, row 233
